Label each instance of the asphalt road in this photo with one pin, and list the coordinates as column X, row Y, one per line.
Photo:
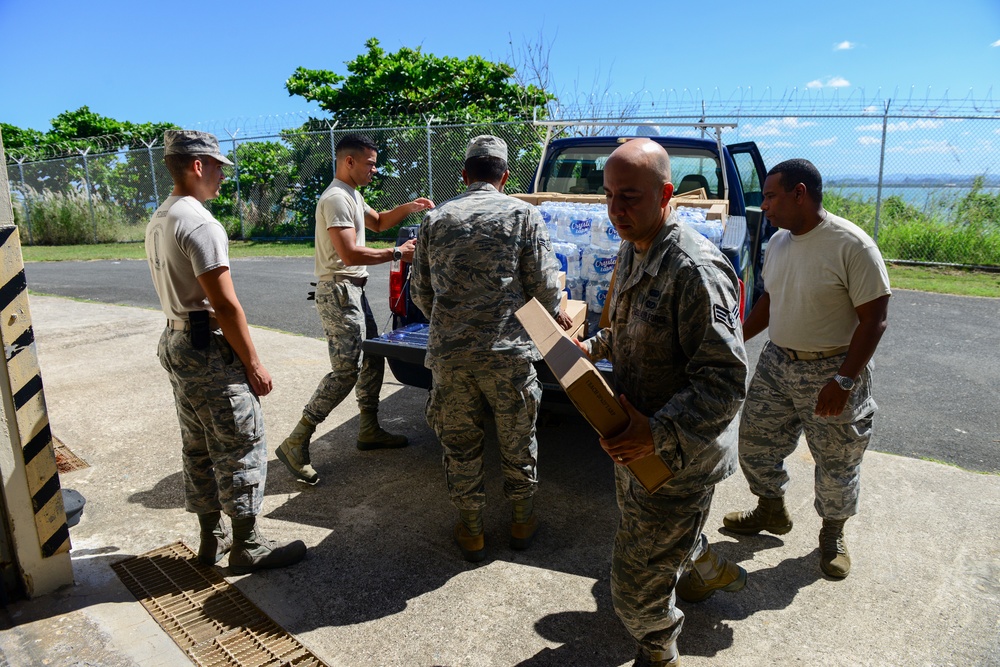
column 937, row 377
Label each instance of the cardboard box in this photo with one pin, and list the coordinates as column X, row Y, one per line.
column 697, row 193
column 718, row 209
column 537, row 198
column 561, row 280
column 563, row 300
column 577, row 311
column 586, row 388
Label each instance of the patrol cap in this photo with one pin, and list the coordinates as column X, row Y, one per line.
column 486, row 145
column 192, row 142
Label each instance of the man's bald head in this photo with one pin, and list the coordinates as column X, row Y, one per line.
column 637, row 188
column 644, row 154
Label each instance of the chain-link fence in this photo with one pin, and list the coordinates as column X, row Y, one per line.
column 927, row 187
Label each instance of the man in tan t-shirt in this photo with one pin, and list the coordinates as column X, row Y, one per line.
column 825, row 305
column 341, row 260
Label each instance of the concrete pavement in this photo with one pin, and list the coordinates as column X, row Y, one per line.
column 384, row 585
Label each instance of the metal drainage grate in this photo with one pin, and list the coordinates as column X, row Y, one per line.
column 67, row 461
column 209, row 618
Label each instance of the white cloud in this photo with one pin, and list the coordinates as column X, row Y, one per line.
column 824, row 142
column 777, row 144
column 869, row 141
column 776, row 127
column 902, row 126
column 996, row 43
column 831, row 82
column 943, row 147
column 844, row 46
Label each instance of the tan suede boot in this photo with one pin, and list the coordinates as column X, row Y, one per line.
column 834, row 559
column 216, row 540
column 524, row 525
column 710, row 573
column 372, row 436
column 770, row 515
column 469, row 535
column 294, row 452
column 252, row 551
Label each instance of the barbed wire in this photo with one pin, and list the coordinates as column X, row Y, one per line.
column 644, row 105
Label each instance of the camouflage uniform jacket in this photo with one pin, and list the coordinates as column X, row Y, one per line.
column 479, row 257
column 676, row 344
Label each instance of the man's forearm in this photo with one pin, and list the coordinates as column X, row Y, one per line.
column 365, row 256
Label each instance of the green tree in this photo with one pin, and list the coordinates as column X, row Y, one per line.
column 266, row 172
column 419, row 83
column 411, row 86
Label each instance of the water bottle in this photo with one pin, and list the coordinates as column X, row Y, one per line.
column 597, row 294
column 578, row 225
column 695, row 218
column 598, row 263
column 575, row 288
column 568, row 255
column 598, row 227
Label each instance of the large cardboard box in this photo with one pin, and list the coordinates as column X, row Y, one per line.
column 585, row 387
column 717, row 209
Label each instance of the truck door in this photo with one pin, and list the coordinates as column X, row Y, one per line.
column 751, row 170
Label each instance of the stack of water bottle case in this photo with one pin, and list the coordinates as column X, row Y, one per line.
column 586, row 243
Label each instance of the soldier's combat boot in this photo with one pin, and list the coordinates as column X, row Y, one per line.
column 294, row 452
column 833, row 557
column 252, row 551
column 667, row 657
column 525, row 524
column 710, row 573
column 469, row 535
column 372, row 436
column 770, row 515
column 216, row 539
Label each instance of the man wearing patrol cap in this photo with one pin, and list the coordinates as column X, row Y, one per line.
column 479, row 257
column 213, row 366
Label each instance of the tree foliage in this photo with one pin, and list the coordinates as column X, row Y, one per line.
column 413, row 87
column 419, row 83
column 80, row 130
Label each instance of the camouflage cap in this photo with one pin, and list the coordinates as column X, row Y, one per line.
column 486, row 145
column 192, row 142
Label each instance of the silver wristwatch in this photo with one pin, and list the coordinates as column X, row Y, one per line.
column 397, row 254
column 846, row 383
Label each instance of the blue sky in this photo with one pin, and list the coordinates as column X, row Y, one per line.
column 222, row 64
column 190, row 62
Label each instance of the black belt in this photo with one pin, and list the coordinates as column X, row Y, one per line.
column 359, row 282
column 800, row 355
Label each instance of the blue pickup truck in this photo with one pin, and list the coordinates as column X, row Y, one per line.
column 576, row 166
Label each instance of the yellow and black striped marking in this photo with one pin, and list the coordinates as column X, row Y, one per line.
column 25, row 382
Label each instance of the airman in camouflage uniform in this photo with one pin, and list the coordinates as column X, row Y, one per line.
column 480, row 256
column 680, row 371
column 342, row 258
column 825, row 307
column 213, row 366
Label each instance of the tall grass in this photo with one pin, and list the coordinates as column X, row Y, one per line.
column 64, row 218
column 957, row 230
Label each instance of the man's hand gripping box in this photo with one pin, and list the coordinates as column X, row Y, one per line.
column 586, row 388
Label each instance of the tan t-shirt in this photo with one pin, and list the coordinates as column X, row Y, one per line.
column 183, row 241
column 340, row 205
column 817, row 279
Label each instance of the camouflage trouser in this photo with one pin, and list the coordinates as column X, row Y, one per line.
column 455, row 409
column 347, row 321
column 222, row 426
column 780, row 406
column 657, row 536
